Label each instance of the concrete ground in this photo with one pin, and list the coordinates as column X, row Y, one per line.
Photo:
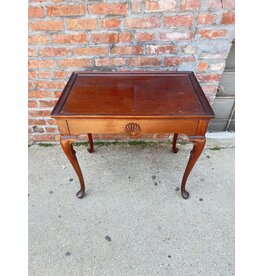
column 133, row 220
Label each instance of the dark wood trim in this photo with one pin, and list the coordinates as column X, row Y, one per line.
column 60, row 103
column 152, row 117
column 130, row 73
column 201, row 96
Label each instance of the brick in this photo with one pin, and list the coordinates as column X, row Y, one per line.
column 54, row 51
column 176, row 36
column 144, row 61
column 37, row 129
column 51, row 130
column 125, row 37
column 127, row 50
column 58, row 93
column 75, row 62
column 110, row 61
column 179, row 21
column 136, row 6
column 47, row 103
column 188, row 49
column 41, row 63
column 42, row 137
column 105, row 38
column 141, row 37
column 32, row 74
column 228, row 4
column 50, row 121
column 60, row 74
column 211, row 34
column 41, row 94
column 206, row 19
column 202, row 66
column 212, row 89
column 50, row 25
column 30, row 85
column 214, row 4
column 108, row 8
column 208, row 77
column 66, row 10
column 38, row 39
column 160, row 49
column 82, row 24
column 91, row 51
column 30, row 130
column 32, row 52
column 186, row 5
column 39, row 113
column 33, row 122
column 49, row 85
column 178, row 60
column 32, row 103
column 35, row 12
column 142, row 23
column 218, row 55
column 44, row 74
column 110, row 23
column 228, row 18
column 217, row 66
column 160, row 5
column 69, row 38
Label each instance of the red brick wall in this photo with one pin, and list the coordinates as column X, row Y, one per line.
column 65, row 36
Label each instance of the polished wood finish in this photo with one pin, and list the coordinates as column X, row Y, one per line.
column 133, row 94
column 134, row 103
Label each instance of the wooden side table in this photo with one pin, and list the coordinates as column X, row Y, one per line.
column 134, row 103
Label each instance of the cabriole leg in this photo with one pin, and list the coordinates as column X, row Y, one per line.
column 66, row 143
column 174, row 148
column 91, row 144
column 199, row 144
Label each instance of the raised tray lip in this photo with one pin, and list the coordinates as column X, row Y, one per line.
column 208, row 111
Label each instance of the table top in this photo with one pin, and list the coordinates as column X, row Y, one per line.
column 133, row 94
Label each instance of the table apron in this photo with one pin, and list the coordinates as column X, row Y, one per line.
column 81, row 126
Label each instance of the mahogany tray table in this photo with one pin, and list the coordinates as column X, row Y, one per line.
column 133, row 103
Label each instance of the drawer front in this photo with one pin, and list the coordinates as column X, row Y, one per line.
column 131, row 127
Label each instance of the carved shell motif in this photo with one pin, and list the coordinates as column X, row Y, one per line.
column 132, row 129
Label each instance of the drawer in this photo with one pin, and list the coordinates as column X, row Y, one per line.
column 132, row 127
